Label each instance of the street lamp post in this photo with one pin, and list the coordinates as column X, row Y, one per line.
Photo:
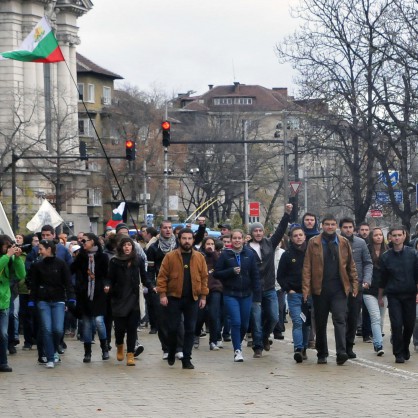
column 244, row 137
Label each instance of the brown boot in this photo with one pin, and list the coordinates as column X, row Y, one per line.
column 120, row 355
column 130, row 359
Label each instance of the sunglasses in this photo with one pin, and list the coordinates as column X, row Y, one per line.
column 83, row 241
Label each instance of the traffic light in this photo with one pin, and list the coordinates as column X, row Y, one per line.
column 130, row 149
column 83, row 151
column 166, row 125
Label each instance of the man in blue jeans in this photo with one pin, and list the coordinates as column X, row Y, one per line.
column 264, row 317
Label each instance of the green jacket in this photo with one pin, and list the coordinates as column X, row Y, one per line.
column 19, row 273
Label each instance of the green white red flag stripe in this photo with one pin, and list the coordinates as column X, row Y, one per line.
column 39, row 46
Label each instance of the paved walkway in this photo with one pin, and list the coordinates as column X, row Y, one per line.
column 271, row 386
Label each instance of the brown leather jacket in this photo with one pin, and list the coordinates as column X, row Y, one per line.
column 170, row 276
column 313, row 267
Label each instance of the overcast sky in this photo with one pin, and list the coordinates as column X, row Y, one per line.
column 185, row 45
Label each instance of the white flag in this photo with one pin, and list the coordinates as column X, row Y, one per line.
column 5, row 227
column 46, row 215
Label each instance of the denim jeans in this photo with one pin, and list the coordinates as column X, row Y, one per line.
column 89, row 322
column 239, row 315
column 300, row 330
column 4, row 339
column 281, row 301
column 215, row 311
column 265, row 319
column 52, row 325
column 377, row 314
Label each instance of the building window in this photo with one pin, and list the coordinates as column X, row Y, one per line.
column 243, row 100
column 90, row 93
column 230, row 101
column 94, row 197
column 85, row 127
column 80, row 87
column 107, row 97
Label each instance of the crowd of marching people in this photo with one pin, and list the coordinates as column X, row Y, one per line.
column 238, row 287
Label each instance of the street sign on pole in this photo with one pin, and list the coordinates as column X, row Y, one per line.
column 376, row 213
column 393, row 177
column 295, row 186
column 255, row 209
column 384, row 199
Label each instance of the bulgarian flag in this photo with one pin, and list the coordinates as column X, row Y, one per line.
column 117, row 216
column 39, row 46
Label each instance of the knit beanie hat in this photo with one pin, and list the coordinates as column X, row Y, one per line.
column 121, row 226
column 256, row 225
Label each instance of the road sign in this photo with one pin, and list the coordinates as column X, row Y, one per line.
column 384, row 199
column 255, row 209
column 393, row 177
column 376, row 213
column 295, row 186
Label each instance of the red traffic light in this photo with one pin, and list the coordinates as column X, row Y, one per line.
column 129, row 144
column 166, row 125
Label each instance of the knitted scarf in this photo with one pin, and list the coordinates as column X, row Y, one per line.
column 331, row 247
column 167, row 244
column 91, row 273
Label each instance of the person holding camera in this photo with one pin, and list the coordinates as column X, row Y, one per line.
column 11, row 265
column 51, row 289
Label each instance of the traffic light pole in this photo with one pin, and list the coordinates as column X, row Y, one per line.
column 165, row 182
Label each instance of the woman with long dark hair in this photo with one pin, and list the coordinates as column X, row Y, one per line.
column 90, row 267
column 51, row 289
column 126, row 268
column 377, row 247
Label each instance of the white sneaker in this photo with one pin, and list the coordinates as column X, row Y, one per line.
column 220, row 344
column 179, row 355
column 213, row 347
column 49, row 365
column 57, row 358
column 238, row 356
column 196, row 342
column 165, row 356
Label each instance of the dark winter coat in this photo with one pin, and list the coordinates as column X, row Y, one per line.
column 289, row 272
column 123, row 278
column 50, row 281
column 246, row 283
column 399, row 271
column 97, row 306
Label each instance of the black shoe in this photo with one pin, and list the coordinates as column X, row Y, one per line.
column 351, row 354
column 342, row 358
column 406, row 354
column 304, row 355
column 87, row 358
column 64, row 346
column 298, row 357
column 399, row 359
column 12, row 349
column 42, row 360
column 266, row 345
column 171, row 359
column 61, row 349
column 153, row 331
column 187, row 364
column 5, row 368
column 138, row 350
column 322, row 360
column 109, row 347
column 278, row 336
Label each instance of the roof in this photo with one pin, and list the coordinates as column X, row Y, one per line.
column 265, row 99
column 84, row 65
